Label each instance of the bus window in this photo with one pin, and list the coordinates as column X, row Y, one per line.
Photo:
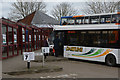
column 105, row 19
column 108, row 19
column 72, row 38
column 64, row 21
column 94, row 19
column 82, row 37
column 113, row 36
column 94, row 38
column 79, row 20
column 71, row 21
column 102, row 20
column 98, row 38
column 86, row 20
column 118, row 18
column 114, row 18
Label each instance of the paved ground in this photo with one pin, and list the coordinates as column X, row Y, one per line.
column 71, row 69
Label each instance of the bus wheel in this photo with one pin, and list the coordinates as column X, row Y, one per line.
column 110, row 60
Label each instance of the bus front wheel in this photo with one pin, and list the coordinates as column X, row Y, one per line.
column 110, row 60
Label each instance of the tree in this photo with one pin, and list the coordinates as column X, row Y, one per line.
column 63, row 9
column 21, row 9
column 100, row 7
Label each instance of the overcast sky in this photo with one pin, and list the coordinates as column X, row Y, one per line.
column 5, row 8
column 5, row 5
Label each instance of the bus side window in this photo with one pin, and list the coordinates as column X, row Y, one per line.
column 113, row 19
column 79, row 21
column 108, row 19
column 71, row 21
column 112, row 36
column 94, row 20
column 102, row 20
column 86, row 20
column 64, row 21
column 105, row 19
column 118, row 18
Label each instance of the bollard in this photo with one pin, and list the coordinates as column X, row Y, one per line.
column 28, row 64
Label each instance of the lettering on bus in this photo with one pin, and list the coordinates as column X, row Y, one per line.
column 77, row 49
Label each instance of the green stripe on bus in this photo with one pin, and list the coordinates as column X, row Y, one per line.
column 96, row 53
column 89, row 52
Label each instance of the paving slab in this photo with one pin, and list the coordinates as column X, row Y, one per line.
column 17, row 63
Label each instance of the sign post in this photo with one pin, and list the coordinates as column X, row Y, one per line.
column 43, row 60
column 28, row 56
column 44, row 51
column 28, row 64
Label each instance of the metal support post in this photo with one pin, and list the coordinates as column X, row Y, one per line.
column 43, row 61
column 28, row 64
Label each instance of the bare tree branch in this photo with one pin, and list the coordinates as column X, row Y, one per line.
column 21, row 9
column 100, row 7
column 63, row 9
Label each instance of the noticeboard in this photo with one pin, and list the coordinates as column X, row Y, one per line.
column 45, row 50
column 28, row 56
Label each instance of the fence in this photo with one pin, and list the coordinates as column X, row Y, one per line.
column 18, row 38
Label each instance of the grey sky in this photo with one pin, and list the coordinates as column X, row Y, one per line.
column 6, row 9
column 7, row 5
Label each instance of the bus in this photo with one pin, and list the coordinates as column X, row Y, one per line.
column 91, row 37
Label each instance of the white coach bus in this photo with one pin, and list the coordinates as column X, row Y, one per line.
column 91, row 37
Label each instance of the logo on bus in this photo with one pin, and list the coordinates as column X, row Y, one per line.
column 77, row 49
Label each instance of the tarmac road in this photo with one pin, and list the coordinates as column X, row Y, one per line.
column 75, row 69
